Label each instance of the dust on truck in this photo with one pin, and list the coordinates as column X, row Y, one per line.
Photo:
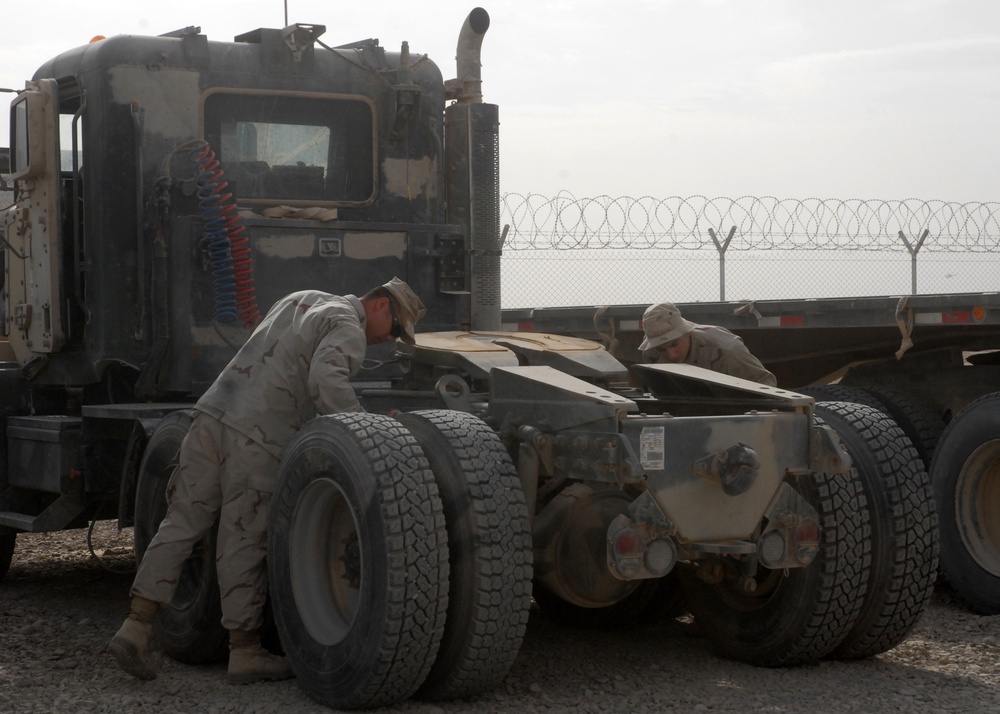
column 169, row 189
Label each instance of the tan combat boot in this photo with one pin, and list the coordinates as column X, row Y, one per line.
column 249, row 662
column 130, row 645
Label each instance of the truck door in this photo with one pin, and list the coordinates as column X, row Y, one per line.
column 31, row 226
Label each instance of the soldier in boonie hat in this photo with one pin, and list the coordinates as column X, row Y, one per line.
column 295, row 365
column 410, row 308
column 671, row 338
column 663, row 323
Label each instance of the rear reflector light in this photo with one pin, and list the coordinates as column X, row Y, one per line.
column 807, row 532
column 628, row 542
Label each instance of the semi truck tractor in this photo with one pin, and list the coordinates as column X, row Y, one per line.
column 167, row 190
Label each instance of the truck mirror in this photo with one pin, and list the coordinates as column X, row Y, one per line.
column 31, row 112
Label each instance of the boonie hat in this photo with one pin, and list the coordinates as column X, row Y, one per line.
column 409, row 305
column 663, row 323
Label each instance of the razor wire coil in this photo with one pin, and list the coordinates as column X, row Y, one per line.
column 565, row 222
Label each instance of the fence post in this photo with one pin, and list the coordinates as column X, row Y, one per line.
column 914, row 249
column 722, row 247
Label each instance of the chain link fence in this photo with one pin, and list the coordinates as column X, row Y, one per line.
column 564, row 250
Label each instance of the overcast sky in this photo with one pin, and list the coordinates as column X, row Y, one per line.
column 886, row 99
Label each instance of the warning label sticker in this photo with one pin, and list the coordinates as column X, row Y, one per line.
column 651, row 448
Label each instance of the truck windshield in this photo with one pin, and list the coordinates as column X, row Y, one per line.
column 280, row 148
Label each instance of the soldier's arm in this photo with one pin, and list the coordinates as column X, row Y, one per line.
column 749, row 367
column 338, row 356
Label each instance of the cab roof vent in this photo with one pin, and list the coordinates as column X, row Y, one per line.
column 298, row 37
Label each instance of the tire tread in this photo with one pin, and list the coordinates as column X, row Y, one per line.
column 478, row 651
column 904, row 527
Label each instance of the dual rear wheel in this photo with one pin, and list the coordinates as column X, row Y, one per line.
column 399, row 558
column 874, row 573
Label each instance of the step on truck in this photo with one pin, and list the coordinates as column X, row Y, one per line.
column 168, row 189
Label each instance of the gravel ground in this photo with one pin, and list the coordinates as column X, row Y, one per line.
column 59, row 606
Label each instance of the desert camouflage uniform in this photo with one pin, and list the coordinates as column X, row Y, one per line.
column 719, row 350
column 296, row 365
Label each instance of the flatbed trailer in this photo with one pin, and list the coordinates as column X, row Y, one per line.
column 801, row 341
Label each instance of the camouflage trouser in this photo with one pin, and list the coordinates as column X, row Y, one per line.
column 225, row 475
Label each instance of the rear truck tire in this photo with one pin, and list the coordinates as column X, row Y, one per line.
column 918, row 419
column 489, row 546
column 799, row 617
column 965, row 475
column 358, row 561
column 189, row 629
column 7, row 542
column 904, row 551
column 653, row 602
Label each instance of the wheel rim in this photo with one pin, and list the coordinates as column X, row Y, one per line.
column 977, row 491
column 326, row 570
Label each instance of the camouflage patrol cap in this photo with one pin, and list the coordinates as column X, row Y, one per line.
column 409, row 306
column 663, row 323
